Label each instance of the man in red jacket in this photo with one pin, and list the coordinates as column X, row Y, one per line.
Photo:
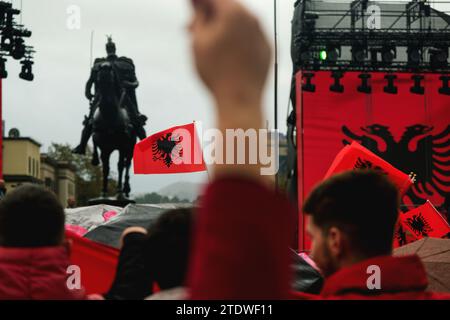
column 34, row 258
column 352, row 221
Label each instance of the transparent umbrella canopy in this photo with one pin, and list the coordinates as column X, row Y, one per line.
column 435, row 255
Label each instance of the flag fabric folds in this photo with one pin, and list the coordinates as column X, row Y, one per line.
column 402, row 235
column 425, row 221
column 175, row 150
column 97, row 263
column 355, row 156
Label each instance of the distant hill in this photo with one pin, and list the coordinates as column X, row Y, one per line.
column 182, row 190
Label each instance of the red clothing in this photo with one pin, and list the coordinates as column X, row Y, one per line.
column 402, row 278
column 241, row 251
column 241, row 243
column 35, row 274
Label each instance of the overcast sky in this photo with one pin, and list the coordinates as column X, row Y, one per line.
column 152, row 33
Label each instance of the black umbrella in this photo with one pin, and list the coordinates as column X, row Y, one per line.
column 133, row 215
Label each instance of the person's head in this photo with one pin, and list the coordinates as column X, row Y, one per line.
column 169, row 244
column 110, row 47
column 352, row 217
column 71, row 202
column 2, row 185
column 31, row 216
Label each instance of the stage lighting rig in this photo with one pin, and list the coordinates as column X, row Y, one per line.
column 359, row 53
column 388, row 53
column 3, row 72
column 445, row 85
column 307, row 82
column 27, row 70
column 330, row 54
column 438, row 57
column 412, row 37
column 337, row 86
column 365, row 85
column 415, row 56
column 390, row 88
column 418, row 88
column 12, row 43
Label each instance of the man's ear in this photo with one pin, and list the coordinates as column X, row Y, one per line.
column 335, row 241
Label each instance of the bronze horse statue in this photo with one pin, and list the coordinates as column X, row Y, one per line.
column 112, row 130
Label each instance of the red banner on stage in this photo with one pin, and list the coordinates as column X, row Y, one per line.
column 407, row 130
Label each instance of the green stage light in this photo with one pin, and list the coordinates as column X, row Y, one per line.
column 323, row 55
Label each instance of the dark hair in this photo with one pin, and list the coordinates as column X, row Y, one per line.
column 31, row 216
column 363, row 204
column 169, row 246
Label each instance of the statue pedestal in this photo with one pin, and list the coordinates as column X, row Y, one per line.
column 111, row 202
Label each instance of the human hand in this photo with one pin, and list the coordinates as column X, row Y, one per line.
column 231, row 52
column 129, row 230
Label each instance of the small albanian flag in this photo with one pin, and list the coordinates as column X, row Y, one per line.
column 425, row 221
column 356, row 157
column 175, row 150
column 402, row 235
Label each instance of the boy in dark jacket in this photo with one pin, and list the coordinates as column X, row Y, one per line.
column 34, row 258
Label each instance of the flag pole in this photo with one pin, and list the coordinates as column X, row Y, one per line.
column 201, row 148
column 276, row 77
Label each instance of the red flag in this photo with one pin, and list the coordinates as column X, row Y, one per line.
column 403, row 235
column 97, row 262
column 175, row 150
column 355, row 157
column 425, row 221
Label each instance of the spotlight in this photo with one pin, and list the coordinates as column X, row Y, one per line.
column 438, row 57
column 414, row 55
column 308, row 86
column 359, row 53
column 388, row 54
column 390, row 88
column 330, row 54
column 417, row 89
column 305, row 56
column 445, row 87
column 7, row 41
column 365, row 87
column 337, row 86
column 3, row 72
column 18, row 48
column 305, row 53
column 27, row 70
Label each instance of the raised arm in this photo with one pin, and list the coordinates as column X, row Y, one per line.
column 242, row 234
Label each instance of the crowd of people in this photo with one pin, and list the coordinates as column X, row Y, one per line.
column 235, row 243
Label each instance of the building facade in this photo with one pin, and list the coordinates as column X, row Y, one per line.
column 23, row 163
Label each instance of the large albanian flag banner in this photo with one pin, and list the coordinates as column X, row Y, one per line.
column 409, row 131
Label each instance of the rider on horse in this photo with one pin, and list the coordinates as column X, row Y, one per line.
column 125, row 72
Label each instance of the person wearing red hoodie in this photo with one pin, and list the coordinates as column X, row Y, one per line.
column 243, row 228
column 34, row 257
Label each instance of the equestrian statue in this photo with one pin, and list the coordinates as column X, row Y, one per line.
column 114, row 120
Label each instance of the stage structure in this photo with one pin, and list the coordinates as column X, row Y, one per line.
column 376, row 73
column 12, row 44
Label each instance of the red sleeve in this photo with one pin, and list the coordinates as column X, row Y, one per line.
column 241, row 243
